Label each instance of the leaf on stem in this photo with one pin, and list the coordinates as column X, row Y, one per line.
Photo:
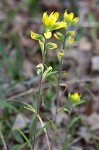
column 73, row 121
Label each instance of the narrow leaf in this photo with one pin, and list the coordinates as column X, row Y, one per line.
column 42, row 129
column 73, row 121
column 8, row 105
column 25, row 138
column 79, row 103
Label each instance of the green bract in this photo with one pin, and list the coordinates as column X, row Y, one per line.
column 51, row 45
column 60, row 54
column 37, row 37
column 59, row 36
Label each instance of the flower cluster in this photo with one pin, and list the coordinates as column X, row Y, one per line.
column 70, row 19
column 51, row 23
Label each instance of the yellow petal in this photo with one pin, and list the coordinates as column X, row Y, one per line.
column 45, row 19
column 52, row 21
column 65, row 15
column 75, row 97
column 44, row 16
column 70, row 16
column 47, row 35
column 56, row 14
column 50, row 16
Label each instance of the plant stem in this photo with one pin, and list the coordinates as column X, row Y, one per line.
column 58, row 93
column 39, row 98
column 46, row 135
column 66, row 129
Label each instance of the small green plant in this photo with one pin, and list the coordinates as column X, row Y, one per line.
column 66, row 37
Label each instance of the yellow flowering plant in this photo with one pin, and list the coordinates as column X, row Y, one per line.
column 51, row 23
column 70, row 19
column 75, row 99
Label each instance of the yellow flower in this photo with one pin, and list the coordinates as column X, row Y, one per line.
column 51, row 19
column 74, row 97
column 70, row 19
column 50, row 22
column 70, row 16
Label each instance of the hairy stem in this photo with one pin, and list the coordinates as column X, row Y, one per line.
column 58, row 93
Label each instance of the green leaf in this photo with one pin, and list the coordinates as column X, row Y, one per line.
column 15, row 147
column 51, row 73
column 25, row 138
column 16, row 136
column 8, row 105
column 79, row 103
column 42, row 129
column 51, row 45
column 63, row 109
column 68, row 139
column 49, row 69
column 29, row 107
column 53, row 79
column 73, row 121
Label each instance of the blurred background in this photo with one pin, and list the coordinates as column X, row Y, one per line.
column 19, row 55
